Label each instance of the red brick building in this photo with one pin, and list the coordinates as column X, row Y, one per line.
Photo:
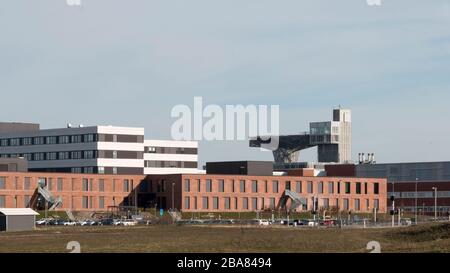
column 209, row 193
column 191, row 192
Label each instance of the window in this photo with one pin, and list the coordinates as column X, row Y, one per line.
column 39, row 156
column 321, row 187
column 376, row 203
column 88, row 154
column 2, row 183
column 51, row 140
column 357, row 205
column 245, row 203
column 50, row 184
column 85, row 184
column 126, row 185
column 227, row 203
column 4, row 142
column 91, row 185
column 330, row 187
column 101, row 184
column 367, row 204
column 14, row 142
column 287, row 185
column 347, row 187
column 232, row 186
column 27, row 183
column 38, row 140
column 26, row 201
column 27, row 141
column 187, row 202
column 199, row 185
column 339, row 188
column 2, row 201
column 310, row 187
column 326, row 203
column 59, row 186
column 85, row 202
column 254, row 203
column 75, row 155
column 89, row 138
column 75, row 139
column 215, row 202
column 376, row 188
column 208, row 185
column 195, row 202
column 346, row 204
column 298, row 186
column 365, row 188
column 221, row 186
column 51, row 156
column 187, row 185
column 358, row 187
column 205, row 203
column 266, row 187
column 272, row 203
column 275, row 186
column 242, row 185
column 235, row 202
column 63, row 139
column 64, row 155
column 254, row 186
column 101, row 202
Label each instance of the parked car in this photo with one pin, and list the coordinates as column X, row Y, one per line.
column 41, row 222
column 59, row 222
column 264, row 222
column 117, row 222
column 129, row 223
column 107, row 222
column 88, row 223
column 70, row 223
column 406, row 222
column 313, row 223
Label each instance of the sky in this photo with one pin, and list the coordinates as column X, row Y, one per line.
column 129, row 62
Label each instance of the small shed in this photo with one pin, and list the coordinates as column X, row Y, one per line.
column 17, row 219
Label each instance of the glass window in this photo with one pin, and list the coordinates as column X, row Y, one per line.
column 85, row 201
column 245, row 203
column 326, row 203
column 376, row 203
column 27, row 141
column 227, row 203
column 330, row 187
column 275, row 186
column 358, row 187
column 26, row 201
column 101, row 184
column 346, row 204
column 272, row 203
column 126, row 185
column 2, row 183
column 242, row 185
column 347, row 187
column 365, row 188
column 376, row 188
column 101, row 202
column 254, row 203
column 208, row 185
column 205, row 203
column 320, row 187
column 187, row 202
column 254, row 186
column 2, row 201
column 215, row 202
column 310, row 187
column 187, row 185
column 221, row 185
column 298, row 186
column 357, row 205
column 85, row 184
column 199, row 185
column 59, row 185
column 288, row 185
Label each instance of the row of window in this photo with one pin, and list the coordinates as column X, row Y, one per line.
column 44, row 140
column 263, row 186
column 420, row 194
column 170, row 164
column 54, row 155
column 59, row 185
column 257, row 204
column 87, row 202
column 171, row 150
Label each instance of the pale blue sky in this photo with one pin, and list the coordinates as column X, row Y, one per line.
column 128, row 62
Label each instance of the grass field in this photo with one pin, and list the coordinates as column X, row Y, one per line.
column 171, row 238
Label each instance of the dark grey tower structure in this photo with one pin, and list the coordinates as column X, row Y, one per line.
column 332, row 138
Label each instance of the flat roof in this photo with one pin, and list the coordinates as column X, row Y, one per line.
column 15, row 212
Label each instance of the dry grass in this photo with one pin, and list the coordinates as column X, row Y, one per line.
column 168, row 238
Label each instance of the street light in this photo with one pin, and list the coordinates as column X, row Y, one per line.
column 435, row 203
column 173, row 196
column 415, row 209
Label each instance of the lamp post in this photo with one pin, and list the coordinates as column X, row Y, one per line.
column 415, row 208
column 435, row 203
column 173, row 196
